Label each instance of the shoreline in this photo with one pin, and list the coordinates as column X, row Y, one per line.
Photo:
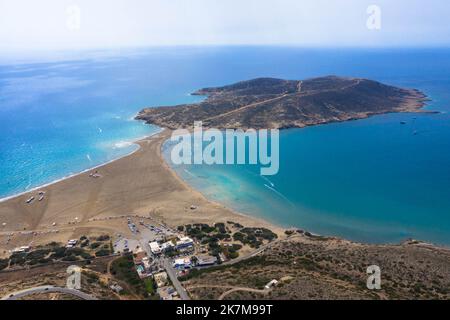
column 192, row 189
column 160, row 138
column 71, row 175
column 138, row 184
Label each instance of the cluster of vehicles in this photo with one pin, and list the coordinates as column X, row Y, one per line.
column 41, row 195
column 132, row 226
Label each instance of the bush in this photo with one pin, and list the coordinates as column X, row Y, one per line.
column 44, row 261
column 95, row 245
column 260, row 233
column 91, row 276
column 37, row 254
column 58, row 253
column 102, row 253
column 150, row 286
column 3, row 263
column 222, row 236
column 74, row 251
column 17, row 259
column 237, row 247
column 123, row 268
column 220, row 227
column 70, row 258
column 102, row 238
column 84, row 244
column 238, row 236
column 86, row 256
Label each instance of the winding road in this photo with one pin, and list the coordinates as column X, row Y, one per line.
column 48, row 289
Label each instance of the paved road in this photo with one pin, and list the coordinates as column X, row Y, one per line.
column 173, row 277
column 169, row 269
column 48, row 289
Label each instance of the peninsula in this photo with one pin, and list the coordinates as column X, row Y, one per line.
column 277, row 104
column 95, row 218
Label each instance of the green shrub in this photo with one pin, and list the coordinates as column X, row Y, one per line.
column 3, row 263
column 70, row 258
column 123, row 268
column 102, row 238
column 220, row 227
column 150, row 286
column 233, row 255
column 58, row 253
column 102, row 253
column 95, row 245
column 84, row 243
column 91, row 276
column 17, row 259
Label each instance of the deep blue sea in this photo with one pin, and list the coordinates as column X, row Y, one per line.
column 370, row 180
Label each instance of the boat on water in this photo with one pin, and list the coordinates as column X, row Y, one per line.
column 402, row 122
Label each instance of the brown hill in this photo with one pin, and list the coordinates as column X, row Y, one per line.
column 276, row 103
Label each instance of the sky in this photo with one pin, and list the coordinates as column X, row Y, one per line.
column 83, row 24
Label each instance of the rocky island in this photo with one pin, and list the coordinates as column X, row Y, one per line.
column 277, row 104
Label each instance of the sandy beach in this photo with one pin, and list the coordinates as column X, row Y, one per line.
column 139, row 184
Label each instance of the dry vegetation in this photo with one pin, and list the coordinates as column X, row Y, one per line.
column 94, row 279
column 319, row 268
column 275, row 103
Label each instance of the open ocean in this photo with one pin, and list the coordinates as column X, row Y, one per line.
column 369, row 180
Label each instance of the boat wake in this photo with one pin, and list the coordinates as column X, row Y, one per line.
column 279, row 194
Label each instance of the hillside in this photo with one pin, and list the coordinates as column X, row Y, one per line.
column 314, row 267
column 276, row 103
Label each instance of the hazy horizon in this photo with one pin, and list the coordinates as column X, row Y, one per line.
column 83, row 25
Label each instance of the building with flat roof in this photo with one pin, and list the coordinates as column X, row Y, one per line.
column 203, row 261
column 154, row 247
column 160, row 279
column 182, row 263
column 139, row 256
column 184, row 242
column 167, row 246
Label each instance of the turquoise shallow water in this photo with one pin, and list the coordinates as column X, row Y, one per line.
column 370, row 180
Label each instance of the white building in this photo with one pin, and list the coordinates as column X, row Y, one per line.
column 183, row 263
column 155, row 248
column 271, row 284
column 203, row 261
column 167, row 246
